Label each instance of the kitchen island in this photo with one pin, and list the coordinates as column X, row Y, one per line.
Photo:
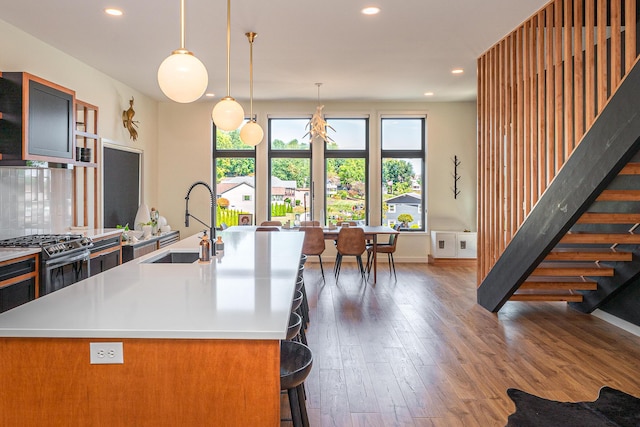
column 200, row 341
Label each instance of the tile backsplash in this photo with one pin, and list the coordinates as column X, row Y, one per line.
column 34, row 201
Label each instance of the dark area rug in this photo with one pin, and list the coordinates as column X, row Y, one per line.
column 612, row 408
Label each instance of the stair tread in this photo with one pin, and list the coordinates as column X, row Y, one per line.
column 609, row 218
column 601, row 238
column 544, row 292
column 591, row 254
column 570, row 264
column 631, row 168
column 563, row 279
column 619, row 195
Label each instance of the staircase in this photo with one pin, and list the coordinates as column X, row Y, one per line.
column 579, row 243
column 602, row 240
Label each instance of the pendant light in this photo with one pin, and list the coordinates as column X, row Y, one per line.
column 228, row 114
column 181, row 76
column 251, row 133
column 317, row 124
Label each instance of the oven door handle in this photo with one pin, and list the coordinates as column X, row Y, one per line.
column 83, row 256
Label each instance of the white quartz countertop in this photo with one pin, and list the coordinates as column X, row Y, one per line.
column 7, row 254
column 244, row 294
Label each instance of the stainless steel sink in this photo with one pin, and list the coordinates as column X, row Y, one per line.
column 173, row 257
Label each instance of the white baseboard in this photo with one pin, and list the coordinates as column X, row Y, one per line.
column 616, row 321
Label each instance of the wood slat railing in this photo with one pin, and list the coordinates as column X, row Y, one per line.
column 539, row 89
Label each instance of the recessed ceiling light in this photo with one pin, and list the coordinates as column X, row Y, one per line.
column 372, row 10
column 113, row 12
column 428, row 94
column 457, row 71
column 210, row 95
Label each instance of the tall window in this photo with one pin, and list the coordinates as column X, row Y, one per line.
column 290, row 170
column 403, row 160
column 346, row 170
column 235, row 167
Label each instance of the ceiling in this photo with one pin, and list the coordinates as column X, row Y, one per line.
column 408, row 49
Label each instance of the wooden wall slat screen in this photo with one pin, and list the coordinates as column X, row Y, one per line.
column 539, row 89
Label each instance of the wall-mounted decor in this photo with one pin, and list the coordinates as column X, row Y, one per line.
column 128, row 122
column 245, row 219
column 456, row 176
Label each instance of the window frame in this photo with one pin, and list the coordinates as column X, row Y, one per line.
column 362, row 153
column 245, row 153
column 286, row 154
column 400, row 154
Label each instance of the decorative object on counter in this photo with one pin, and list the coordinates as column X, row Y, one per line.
column 227, row 113
column 251, row 133
column 129, row 123
column 142, row 216
column 219, row 245
column 205, row 248
column 181, row 76
column 318, row 125
column 154, row 215
column 456, row 176
column 212, row 213
column 125, row 231
column 146, row 231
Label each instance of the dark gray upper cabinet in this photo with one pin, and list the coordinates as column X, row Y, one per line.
column 37, row 121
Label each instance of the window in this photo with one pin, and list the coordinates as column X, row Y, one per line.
column 346, row 169
column 403, row 160
column 289, row 170
column 234, row 169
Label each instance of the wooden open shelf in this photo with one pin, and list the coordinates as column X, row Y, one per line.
column 85, row 188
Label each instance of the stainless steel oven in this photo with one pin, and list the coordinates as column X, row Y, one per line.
column 63, row 271
column 64, row 258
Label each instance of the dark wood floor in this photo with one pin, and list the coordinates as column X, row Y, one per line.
column 419, row 351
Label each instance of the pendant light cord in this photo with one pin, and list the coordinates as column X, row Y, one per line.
column 251, row 36
column 182, row 24
column 228, row 47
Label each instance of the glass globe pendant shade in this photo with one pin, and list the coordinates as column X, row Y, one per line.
column 182, row 77
column 227, row 114
column 251, row 133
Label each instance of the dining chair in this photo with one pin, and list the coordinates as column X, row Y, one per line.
column 350, row 243
column 309, row 223
column 314, row 243
column 385, row 248
column 261, row 228
column 272, row 223
column 348, row 224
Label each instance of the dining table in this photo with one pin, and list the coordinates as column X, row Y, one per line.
column 371, row 233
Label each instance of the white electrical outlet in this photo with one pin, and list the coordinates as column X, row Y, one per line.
column 106, row 352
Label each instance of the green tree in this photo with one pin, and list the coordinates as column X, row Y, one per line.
column 351, row 173
column 405, row 219
column 397, row 171
column 288, row 169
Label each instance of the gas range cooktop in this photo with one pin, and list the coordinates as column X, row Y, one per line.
column 53, row 245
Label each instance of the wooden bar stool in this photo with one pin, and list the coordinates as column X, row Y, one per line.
column 296, row 360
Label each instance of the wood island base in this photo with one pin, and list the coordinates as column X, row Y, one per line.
column 163, row 382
